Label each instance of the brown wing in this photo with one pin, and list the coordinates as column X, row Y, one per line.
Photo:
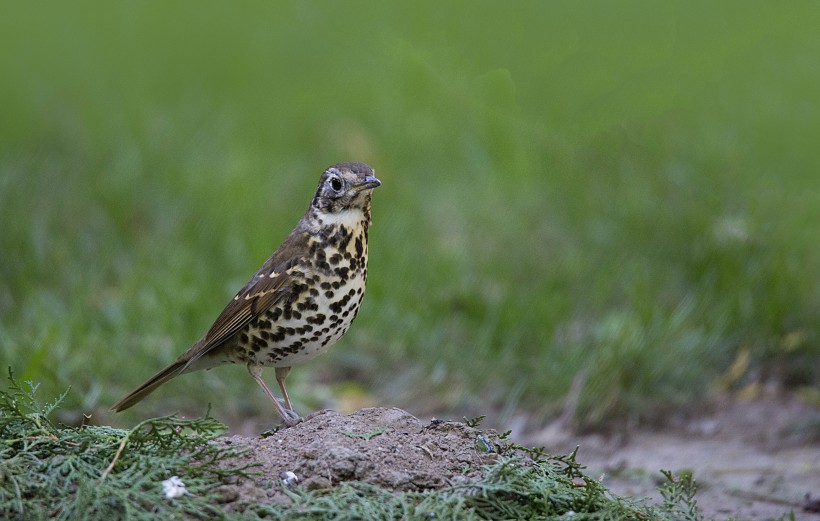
column 271, row 284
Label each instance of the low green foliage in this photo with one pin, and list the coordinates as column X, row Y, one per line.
column 678, row 494
column 474, row 422
column 510, row 489
column 49, row 471
column 93, row 472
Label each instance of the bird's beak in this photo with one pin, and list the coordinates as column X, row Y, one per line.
column 369, row 183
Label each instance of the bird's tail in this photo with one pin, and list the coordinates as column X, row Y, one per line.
column 148, row 387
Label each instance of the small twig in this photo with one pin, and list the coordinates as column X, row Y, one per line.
column 426, row 451
column 55, row 511
column 116, row 457
column 47, row 437
column 122, row 447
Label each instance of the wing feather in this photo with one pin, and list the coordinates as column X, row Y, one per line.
column 271, row 284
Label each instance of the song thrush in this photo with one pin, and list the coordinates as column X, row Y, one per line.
column 302, row 299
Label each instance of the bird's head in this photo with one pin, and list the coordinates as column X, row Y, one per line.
column 345, row 186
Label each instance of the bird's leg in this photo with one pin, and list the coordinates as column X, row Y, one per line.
column 281, row 374
column 289, row 417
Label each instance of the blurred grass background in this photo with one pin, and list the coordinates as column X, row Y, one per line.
column 622, row 195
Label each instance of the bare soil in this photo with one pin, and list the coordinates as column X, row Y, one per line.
column 752, row 460
column 389, row 448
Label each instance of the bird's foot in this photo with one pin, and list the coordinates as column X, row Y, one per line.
column 294, row 419
column 291, row 418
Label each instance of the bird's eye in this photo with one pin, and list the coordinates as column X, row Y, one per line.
column 336, row 184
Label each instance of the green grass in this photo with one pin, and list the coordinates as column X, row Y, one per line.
column 50, row 471
column 628, row 193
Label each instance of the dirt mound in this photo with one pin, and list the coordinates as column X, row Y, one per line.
column 750, row 458
column 388, row 448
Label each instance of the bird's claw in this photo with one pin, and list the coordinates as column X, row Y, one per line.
column 291, row 418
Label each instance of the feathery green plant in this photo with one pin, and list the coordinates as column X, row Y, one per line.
column 96, row 472
column 49, row 471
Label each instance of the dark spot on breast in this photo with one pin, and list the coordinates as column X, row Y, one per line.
column 341, row 238
column 337, row 306
column 279, row 336
column 318, row 319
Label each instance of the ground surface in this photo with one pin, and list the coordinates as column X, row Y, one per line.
column 389, row 448
column 753, row 461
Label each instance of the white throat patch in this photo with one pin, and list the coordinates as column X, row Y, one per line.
column 349, row 218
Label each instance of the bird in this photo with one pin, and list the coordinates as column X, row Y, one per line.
column 302, row 299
